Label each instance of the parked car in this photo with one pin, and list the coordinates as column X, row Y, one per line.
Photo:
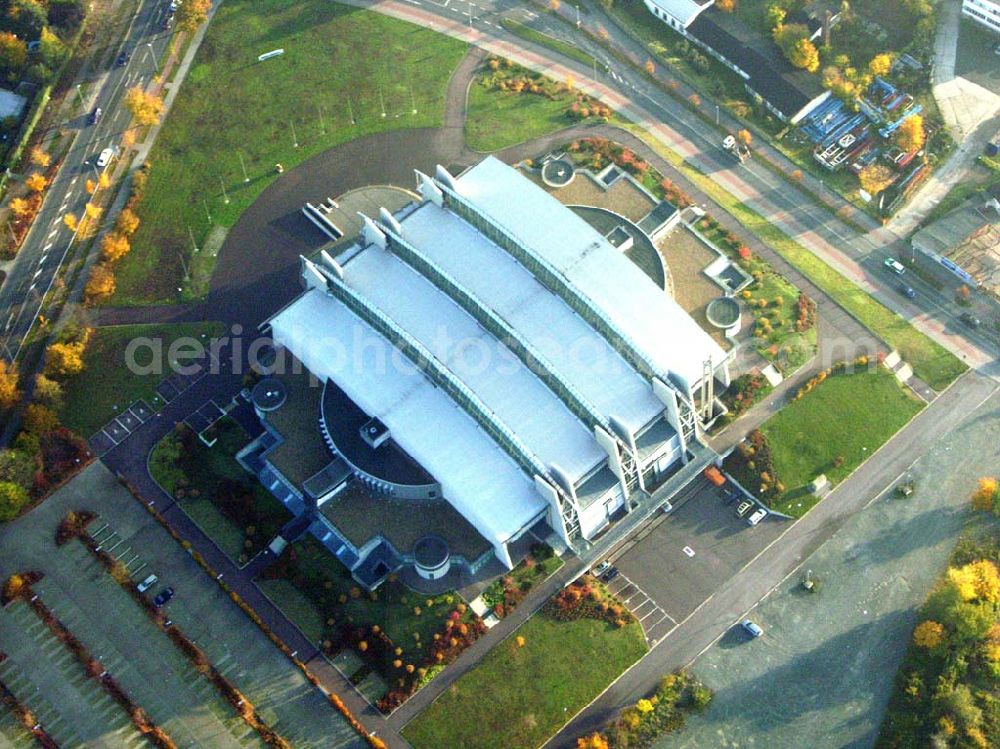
column 894, row 265
column 122, row 60
column 104, row 157
column 970, row 319
column 94, row 116
column 601, row 568
column 743, row 508
column 907, row 291
column 666, row 507
column 757, row 516
column 610, row 575
column 163, row 596
column 751, row 629
column 148, row 583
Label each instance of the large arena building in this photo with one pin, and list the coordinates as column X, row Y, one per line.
column 486, row 354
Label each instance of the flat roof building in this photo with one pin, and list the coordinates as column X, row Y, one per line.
column 966, row 241
column 520, row 366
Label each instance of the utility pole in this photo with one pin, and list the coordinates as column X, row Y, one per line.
column 225, row 197
column 246, row 177
column 295, row 138
column 193, row 245
column 350, row 111
column 381, row 101
column 208, row 213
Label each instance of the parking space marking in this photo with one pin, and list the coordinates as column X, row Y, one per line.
column 627, row 592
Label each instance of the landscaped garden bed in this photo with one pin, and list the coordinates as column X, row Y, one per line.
column 508, row 104
column 664, row 711
column 226, row 502
column 504, row 594
column 830, row 426
column 397, row 638
column 530, row 684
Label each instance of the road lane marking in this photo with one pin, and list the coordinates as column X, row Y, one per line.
column 53, row 232
column 47, row 247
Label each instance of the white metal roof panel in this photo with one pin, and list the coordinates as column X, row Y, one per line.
column 515, row 394
column 663, row 331
column 476, row 476
column 579, row 354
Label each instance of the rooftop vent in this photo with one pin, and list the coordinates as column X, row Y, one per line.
column 374, row 432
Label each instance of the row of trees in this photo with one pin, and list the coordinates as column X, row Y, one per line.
column 146, row 109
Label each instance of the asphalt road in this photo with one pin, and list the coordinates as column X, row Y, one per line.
column 695, row 634
column 49, row 241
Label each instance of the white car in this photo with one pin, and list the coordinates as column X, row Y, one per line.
column 601, row 568
column 104, row 157
column 148, row 583
column 895, row 266
column 757, row 517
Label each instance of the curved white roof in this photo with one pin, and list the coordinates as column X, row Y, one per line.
column 476, row 475
column 663, row 331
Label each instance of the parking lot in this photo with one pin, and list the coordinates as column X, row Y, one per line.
column 675, row 562
column 140, row 657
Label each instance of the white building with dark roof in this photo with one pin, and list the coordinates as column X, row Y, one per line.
column 501, row 343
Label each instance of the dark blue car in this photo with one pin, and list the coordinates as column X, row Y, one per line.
column 163, row 596
column 907, row 291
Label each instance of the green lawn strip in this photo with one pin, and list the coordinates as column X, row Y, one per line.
column 517, row 697
column 107, row 385
column 556, row 45
column 339, row 62
column 196, row 475
column 848, row 417
column 931, row 362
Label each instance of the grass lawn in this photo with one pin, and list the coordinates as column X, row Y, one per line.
column 931, row 362
column 194, row 473
column 91, row 397
column 849, row 416
column 517, row 697
column 497, row 117
column 340, row 62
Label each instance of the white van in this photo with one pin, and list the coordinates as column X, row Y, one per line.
column 148, row 583
column 759, row 515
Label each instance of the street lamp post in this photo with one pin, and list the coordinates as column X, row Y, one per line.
column 225, row 197
column 243, row 166
column 152, row 57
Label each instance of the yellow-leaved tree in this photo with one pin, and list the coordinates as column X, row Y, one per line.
column 9, row 394
column 911, row 136
column 114, row 246
column 64, row 359
column 874, row 178
column 928, row 635
column 880, row 64
column 145, row 107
